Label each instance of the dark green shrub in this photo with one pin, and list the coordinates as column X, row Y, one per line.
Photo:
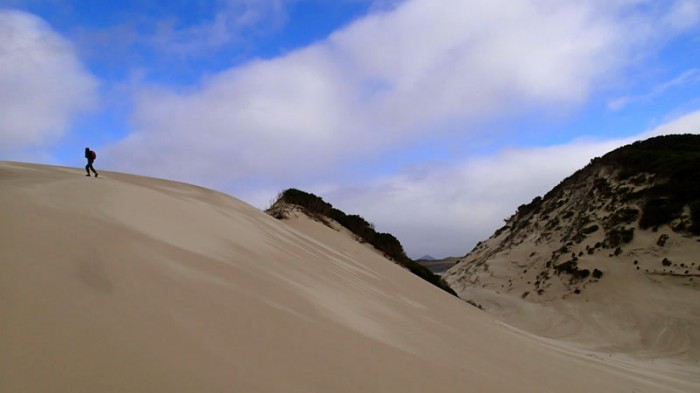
column 638, row 180
column 310, row 202
column 618, row 236
column 695, row 218
column 590, row 229
column 597, row 274
column 526, row 209
column 389, row 245
column 355, row 224
column 662, row 240
column 659, row 211
column 602, row 186
column 571, row 268
column 623, row 216
column 673, row 161
column 501, row 230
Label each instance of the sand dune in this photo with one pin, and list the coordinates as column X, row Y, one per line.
column 644, row 302
column 132, row 284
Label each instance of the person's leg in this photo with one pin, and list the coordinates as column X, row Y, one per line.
column 87, row 169
column 93, row 170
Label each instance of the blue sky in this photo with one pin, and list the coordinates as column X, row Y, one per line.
column 433, row 120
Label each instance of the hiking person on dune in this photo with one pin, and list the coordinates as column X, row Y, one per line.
column 91, row 156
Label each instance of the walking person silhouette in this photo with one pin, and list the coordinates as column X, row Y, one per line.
column 91, row 156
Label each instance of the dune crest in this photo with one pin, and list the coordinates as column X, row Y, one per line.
column 126, row 283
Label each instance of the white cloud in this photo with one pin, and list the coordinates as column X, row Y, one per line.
column 457, row 58
column 43, row 85
column 249, row 121
column 683, row 15
column 686, row 124
column 619, row 103
column 386, row 79
column 247, row 13
column 231, row 19
column 445, row 209
column 685, row 79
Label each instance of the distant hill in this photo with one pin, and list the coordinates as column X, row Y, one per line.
column 315, row 207
column 613, row 251
column 438, row 266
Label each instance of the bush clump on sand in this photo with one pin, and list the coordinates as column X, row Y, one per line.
column 590, row 229
column 602, row 186
column 659, row 211
column 311, row 204
column 674, row 161
column 389, row 245
column 597, row 274
column 662, row 240
column 617, row 236
column 695, row 218
column 623, row 216
column 526, row 209
column 571, row 268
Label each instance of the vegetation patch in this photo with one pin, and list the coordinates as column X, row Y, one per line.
column 659, row 211
column 626, row 215
column 673, row 161
column 475, row 304
column 662, row 240
column 389, row 245
column 617, row 236
column 597, row 274
column 571, row 268
column 695, row 217
column 590, row 229
column 526, row 210
column 602, row 186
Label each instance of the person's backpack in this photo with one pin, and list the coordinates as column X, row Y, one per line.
column 93, row 155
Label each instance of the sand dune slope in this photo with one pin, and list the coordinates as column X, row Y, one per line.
column 131, row 284
column 580, row 265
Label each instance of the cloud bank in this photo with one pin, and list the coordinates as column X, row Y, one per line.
column 43, row 85
column 409, row 72
column 389, row 78
column 444, row 209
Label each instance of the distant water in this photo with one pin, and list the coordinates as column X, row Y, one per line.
column 437, row 267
